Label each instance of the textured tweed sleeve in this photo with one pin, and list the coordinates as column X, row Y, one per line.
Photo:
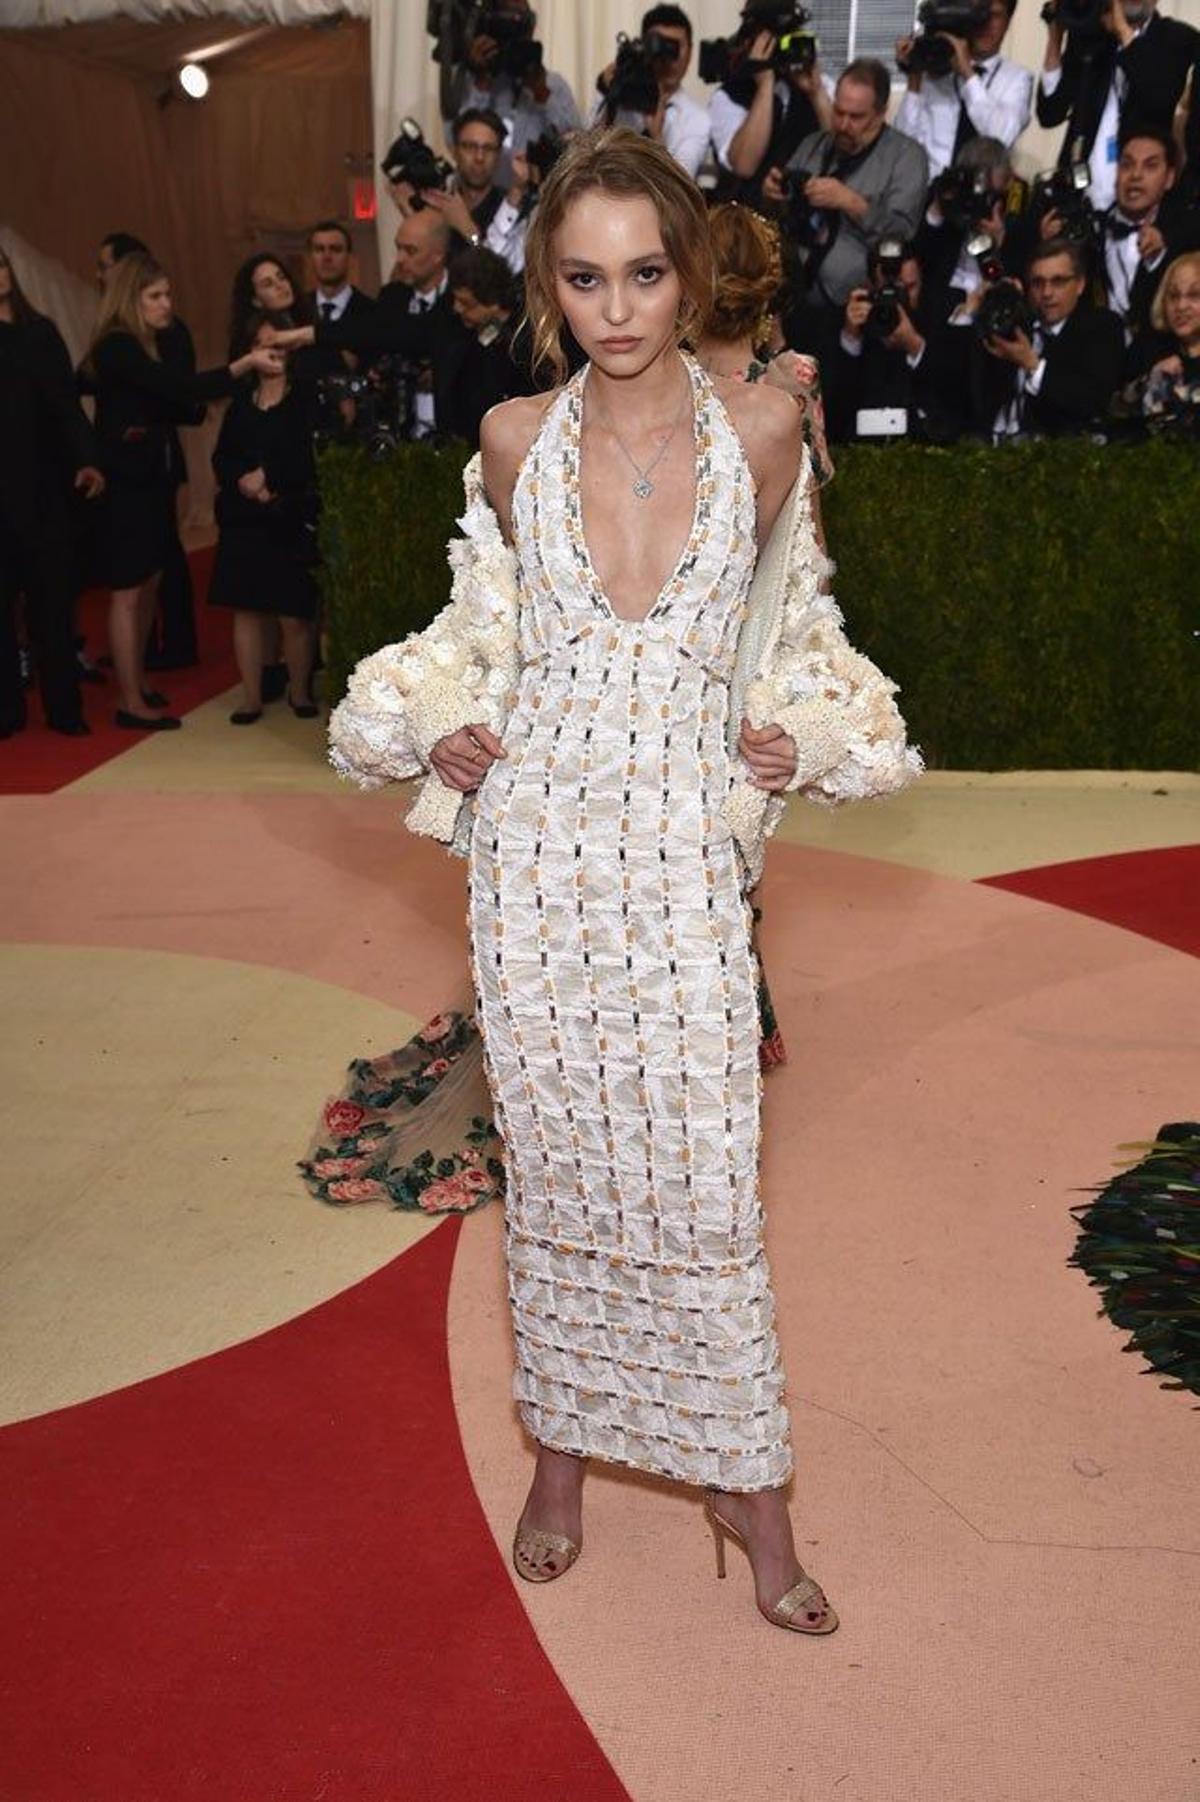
column 831, row 700
column 461, row 669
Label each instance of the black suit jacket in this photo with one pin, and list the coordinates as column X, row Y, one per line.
column 1156, row 66
column 1084, row 363
column 325, row 359
column 44, row 433
column 1180, row 227
column 879, row 377
column 437, row 337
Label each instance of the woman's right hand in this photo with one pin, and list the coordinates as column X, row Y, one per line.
column 1172, row 366
column 462, row 759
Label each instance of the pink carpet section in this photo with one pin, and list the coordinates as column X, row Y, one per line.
column 266, row 1577
column 1156, row 893
column 38, row 761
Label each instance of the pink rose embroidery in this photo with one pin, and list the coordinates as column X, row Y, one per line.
column 343, row 1118
column 357, row 1188
column 475, row 1179
column 438, row 1067
column 437, row 1028
column 340, row 1166
column 449, row 1192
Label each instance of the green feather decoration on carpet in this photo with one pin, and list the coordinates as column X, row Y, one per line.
column 1139, row 1243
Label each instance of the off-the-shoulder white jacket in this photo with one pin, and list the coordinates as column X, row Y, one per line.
column 794, row 667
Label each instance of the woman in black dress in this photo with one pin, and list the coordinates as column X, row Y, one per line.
column 266, row 514
column 138, row 398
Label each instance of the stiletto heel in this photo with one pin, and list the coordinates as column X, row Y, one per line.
column 717, row 1533
column 802, row 1609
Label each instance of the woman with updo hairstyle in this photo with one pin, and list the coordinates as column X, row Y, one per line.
column 741, row 326
column 623, row 702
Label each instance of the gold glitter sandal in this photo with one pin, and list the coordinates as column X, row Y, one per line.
column 802, row 1609
column 540, row 1557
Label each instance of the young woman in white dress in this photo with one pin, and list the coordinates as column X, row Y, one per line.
column 577, row 696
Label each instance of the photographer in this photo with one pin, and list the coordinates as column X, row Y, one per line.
column 1165, row 394
column 772, row 98
column 1145, row 228
column 487, row 303
column 477, row 210
column 849, row 186
column 1051, row 363
column 890, row 375
column 1121, row 61
column 976, row 211
column 652, row 68
column 959, row 85
column 504, row 72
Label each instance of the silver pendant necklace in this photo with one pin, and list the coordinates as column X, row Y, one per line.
column 643, row 488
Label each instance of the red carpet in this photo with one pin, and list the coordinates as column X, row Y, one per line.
column 38, row 761
column 1156, row 893
column 266, row 1577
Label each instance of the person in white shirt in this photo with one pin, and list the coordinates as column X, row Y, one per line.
column 678, row 122
column 758, row 118
column 984, row 95
column 1137, row 70
column 483, row 214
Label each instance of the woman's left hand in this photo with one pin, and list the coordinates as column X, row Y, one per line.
column 771, row 755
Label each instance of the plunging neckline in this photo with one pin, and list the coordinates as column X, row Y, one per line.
column 574, row 493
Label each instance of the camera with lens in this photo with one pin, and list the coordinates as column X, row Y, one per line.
column 412, row 160
column 634, row 86
column 544, row 151
column 930, row 54
column 1064, row 191
column 518, row 52
column 1082, row 18
column 801, row 220
column 889, row 299
column 963, row 197
column 1004, row 310
column 724, row 59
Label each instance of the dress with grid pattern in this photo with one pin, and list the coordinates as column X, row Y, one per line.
column 611, row 952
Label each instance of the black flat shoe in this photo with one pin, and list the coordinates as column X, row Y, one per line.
column 76, row 729
column 152, row 698
column 245, row 716
column 136, row 722
column 304, row 710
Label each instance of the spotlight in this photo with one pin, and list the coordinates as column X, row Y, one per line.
column 193, row 79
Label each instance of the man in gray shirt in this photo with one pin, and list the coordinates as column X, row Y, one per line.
column 867, row 182
column 529, row 104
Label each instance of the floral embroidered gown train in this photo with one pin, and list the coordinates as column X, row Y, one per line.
column 611, row 952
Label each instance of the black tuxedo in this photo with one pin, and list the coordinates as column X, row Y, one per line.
column 1084, row 363
column 323, row 359
column 937, row 249
column 880, row 377
column 1180, row 227
column 435, row 336
column 1156, row 67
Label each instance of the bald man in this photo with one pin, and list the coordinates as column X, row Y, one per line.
column 413, row 318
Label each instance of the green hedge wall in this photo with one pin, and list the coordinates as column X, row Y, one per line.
column 1038, row 604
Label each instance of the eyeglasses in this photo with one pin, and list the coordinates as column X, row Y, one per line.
column 1052, row 281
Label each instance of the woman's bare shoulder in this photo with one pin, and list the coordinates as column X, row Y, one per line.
column 505, row 435
column 770, row 426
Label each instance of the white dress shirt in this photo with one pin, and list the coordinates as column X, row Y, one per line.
column 725, row 116
column 998, row 102
column 1121, row 260
column 686, row 128
column 1102, row 162
column 1011, row 417
column 330, row 307
column 424, row 418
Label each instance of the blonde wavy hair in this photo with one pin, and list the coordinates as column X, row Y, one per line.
column 749, row 270
column 1190, row 259
column 119, row 311
column 620, row 162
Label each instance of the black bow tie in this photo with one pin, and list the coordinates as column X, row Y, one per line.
column 1121, row 228
column 979, row 68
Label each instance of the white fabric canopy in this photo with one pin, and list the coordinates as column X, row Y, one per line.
column 25, row 14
